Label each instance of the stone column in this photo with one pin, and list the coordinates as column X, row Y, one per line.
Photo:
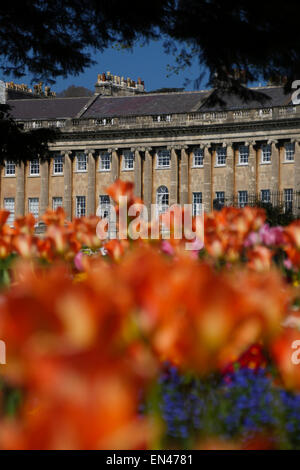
column 297, row 166
column 91, row 208
column 115, row 164
column 68, row 184
column 148, row 180
column 137, row 173
column 184, row 177
column 174, row 176
column 230, row 177
column 252, row 168
column 20, row 189
column 44, row 188
column 275, row 165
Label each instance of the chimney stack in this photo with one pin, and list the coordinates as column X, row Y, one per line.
column 114, row 85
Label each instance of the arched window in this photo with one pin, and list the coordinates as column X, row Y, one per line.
column 162, row 200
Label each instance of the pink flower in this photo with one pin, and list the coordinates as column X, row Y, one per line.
column 167, row 248
column 253, row 239
column 78, row 261
column 271, row 235
column 288, row 264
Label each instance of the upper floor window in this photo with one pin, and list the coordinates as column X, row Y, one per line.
column 81, row 162
column 10, row 168
column 198, row 157
column 163, row 158
column 105, row 161
column 58, row 166
column 221, row 156
column 34, row 167
column 265, row 196
column 80, row 206
column 242, row 198
column 266, row 153
column 289, row 151
column 197, row 204
column 103, row 121
column 128, row 160
column 243, row 155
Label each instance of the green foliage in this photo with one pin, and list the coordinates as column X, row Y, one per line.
column 75, row 91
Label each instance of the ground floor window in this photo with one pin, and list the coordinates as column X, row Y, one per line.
column 265, row 196
column 197, row 204
column 57, row 202
column 242, row 198
column 33, row 206
column 162, row 200
column 288, row 199
column 80, row 206
column 9, row 205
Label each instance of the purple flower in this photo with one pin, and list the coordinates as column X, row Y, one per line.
column 271, row 235
column 78, row 261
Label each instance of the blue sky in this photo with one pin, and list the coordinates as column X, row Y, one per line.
column 148, row 62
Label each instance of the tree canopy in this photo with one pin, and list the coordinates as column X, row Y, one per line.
column 74, row 91
column 52, row 38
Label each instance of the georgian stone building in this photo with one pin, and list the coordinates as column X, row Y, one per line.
column 173, row 146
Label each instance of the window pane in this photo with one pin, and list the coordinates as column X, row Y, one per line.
column 266, row 195
column 163, row 158
column 162, row 200
column 9, row 205
column 104, row 203
column 128, row 160
column 34, row 167
column 57, row 202
column 33, row 206
column 243, row 198
column 221, row 156
column 10, row 167
column 80, row 206
column 105, row 159
column 288, row 199
column 197, row 204
column 243, row 154
column 266, row 153
column 81, row 162
column 58, row 166
column 198, row 157
column 289, row 151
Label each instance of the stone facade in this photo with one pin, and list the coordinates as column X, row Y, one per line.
column 198, row 155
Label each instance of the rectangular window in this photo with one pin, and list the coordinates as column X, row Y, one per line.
column 105, row 161
column 104, row 203
column 265, row 195
column 34, row 167
column 58, row 165
column 197, row 204
column 220, row 197
column 266, row 152
column 128, row 160
column 163, row 158
column 9, row 205
column 242, row 198
column 289, row 151
column 243, row 155
column 80, row 206
column 288, row 200
column 162, row 118
column 221, row 156
column 81, row 162
column 10, row 168
column 198, row 157
column 33, row 206
column 57, row 202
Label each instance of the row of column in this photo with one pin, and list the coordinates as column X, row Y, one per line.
column 143, row 176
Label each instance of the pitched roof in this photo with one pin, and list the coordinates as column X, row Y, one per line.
column 146, row 104
column 50, row 108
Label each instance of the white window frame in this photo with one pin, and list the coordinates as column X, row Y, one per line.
column 80, row 206
column 289, row 151
column 34, row 206
column 242, row 198
column 162, row 118
column 34, row 167
column 162, row 200
column 163, row 159
column 128, row 156
column 197, row 204
column 263, row 193
column 58, row 162
column 288, row 199
column 221, row 155
column 220, row 196
column 9, row 205
column 198, row 158
column 57, row 201
column 81, row 163
column 266, row 154
column 10, row 168
column 104, row 206
column 105, row 161
column 243, row 155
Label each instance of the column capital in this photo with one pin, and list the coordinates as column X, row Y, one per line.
column 66, row 152
column 148, row 149
column 204, row 145
column 89, row 151
column 250, row 142
column 272, row 141
column 112, row 149
column 174, row 147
